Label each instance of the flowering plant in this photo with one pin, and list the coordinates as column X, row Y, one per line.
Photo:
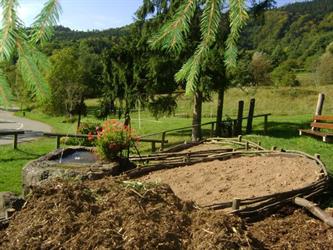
column 112, row 138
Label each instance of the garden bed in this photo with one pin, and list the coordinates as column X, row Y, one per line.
column 242, row 177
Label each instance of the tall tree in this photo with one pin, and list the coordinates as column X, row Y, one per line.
column 19, row 45
column 173, row 35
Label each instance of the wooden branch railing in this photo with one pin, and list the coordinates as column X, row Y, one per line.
column 15, row 134
column 59, row 136
column 144, row 138
column 213, row 126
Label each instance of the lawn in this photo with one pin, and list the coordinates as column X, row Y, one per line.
column 291, row 108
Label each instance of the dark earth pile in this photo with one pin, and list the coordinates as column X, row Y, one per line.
column 293, row 229
column 112, row 214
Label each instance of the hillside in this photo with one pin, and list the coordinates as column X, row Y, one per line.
column 299, row 31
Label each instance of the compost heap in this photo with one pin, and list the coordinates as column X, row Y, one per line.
column 113, row 214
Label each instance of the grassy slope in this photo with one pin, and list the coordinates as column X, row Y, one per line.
column 291, row 109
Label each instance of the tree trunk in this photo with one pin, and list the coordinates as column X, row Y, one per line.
column 196, row 121
column 80, row 114
column 219, row 114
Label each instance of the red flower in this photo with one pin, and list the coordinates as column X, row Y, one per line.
column 90, row 136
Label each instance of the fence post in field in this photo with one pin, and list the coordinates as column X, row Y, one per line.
column 212, row 129
column 15, row 141
column 239, row 118
column 163, row 139
column 320, row 104
column 265, row 124
column 58, row 141
column 250, row 116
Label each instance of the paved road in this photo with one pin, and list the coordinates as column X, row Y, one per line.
column 10, row 122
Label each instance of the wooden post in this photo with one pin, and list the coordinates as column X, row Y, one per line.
column 236, row 204
column 247, row 146
column 58, row 141
column 153, row 147
column 250, row 116
column 234, row 127
column 239, row 118
column 319, row 108
column 15, row 141
column 212, row 129
column 163, row 139
column 240, row 138
column 320, row 104
column 265, row 124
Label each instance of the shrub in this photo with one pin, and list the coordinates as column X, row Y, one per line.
column 89, row 129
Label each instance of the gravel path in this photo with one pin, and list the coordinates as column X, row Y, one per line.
column 8, row 121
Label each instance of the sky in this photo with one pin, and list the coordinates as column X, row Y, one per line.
column 90, row 14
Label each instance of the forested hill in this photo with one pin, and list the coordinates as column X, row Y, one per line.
column 299, row 32
column 66, row 34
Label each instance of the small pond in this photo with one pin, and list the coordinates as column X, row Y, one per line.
column 77, row 157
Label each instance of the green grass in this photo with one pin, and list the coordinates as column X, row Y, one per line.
column 291, row 108
column 12, row 162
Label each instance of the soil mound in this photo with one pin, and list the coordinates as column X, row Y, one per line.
column 113, row 214
column 293, row 229
column 242, row 177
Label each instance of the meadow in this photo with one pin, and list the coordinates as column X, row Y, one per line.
column 291, row 109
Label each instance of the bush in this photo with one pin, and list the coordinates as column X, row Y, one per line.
column 90, row 129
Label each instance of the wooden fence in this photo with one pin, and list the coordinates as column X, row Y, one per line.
column 236, row 130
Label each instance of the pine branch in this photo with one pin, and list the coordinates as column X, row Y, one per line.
column 209, row 26
column 11, row 28
column 45, row 21
column 31, row 73
column 238, row 17
column 5, row 91
column 172, row 35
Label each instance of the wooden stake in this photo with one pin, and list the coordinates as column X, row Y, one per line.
column 250, row 116
column 236, row 204
column 239, row 118
column 319, row 108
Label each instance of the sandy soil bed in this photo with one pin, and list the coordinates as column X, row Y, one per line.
column 243, row 177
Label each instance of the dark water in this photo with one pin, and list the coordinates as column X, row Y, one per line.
column 78, row 157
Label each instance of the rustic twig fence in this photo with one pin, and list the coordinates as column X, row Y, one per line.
column 248, row 206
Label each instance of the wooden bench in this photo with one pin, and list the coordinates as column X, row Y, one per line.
column 320, row 122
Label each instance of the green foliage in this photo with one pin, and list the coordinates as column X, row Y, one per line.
column 299, row 31
column 324, row 71
column 43, row 26
column 173, row 33
column 162, row 105
column 85, row 128
column 284, row 74
column 72, row 78
column 17, row 43
column 260, row 68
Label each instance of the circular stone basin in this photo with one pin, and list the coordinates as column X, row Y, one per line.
column 243, row 177
column 73, row 162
